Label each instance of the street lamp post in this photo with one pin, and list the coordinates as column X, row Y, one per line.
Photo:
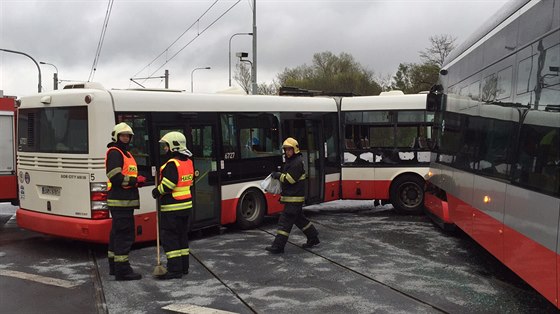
column 55, row 75
column 251, row 34
column 192, row 72
column 37, row 64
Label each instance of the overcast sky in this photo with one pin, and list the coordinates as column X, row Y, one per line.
column 378, row 34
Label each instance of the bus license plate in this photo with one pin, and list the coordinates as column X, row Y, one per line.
column 51, row 190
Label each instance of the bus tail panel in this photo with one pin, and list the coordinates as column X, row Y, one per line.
column 67, row 227
column 9, row 187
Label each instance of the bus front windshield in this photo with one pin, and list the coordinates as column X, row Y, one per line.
column 53, row 130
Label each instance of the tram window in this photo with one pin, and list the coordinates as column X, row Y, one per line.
column 527, row 74
column 489, row 88
column 504, row 83
column 474, row 90
column 538, row 161
column 550, row 78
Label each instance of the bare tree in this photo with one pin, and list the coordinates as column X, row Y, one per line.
column 268, row 89
column 385, row 81
column 441, row 46
column 242, row 76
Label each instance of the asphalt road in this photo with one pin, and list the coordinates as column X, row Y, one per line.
column 369, row 260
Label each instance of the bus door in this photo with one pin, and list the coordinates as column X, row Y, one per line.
column 308, row 133
column 201, row 142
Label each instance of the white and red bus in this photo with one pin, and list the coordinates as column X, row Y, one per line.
column 385, row 146
column 495, row 170
column 8, row 176
column 235, row 139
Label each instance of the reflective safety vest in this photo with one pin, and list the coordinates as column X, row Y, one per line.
column 125, row 195
column 180, row 191
column 128, row 170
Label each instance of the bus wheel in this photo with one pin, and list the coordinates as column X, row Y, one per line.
column 250, row 209
column 407, row 194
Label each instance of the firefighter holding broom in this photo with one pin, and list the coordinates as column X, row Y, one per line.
column 174, row 195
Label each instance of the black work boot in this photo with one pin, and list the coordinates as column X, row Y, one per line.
column 123, row 271
column 174, row 269
column 274, row 249
column 311, row 243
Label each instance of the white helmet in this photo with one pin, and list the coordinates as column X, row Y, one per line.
column 121, row 128
column 177, row 142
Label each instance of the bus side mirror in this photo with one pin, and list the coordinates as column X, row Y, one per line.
column 434, row 100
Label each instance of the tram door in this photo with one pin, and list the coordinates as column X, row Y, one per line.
column 308, row 134
column 201, row 142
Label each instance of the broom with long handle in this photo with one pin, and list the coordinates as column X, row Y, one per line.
column 159, row 270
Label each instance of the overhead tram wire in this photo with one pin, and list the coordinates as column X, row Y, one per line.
column 177, row 39
column 101, row 40
column 200, row 33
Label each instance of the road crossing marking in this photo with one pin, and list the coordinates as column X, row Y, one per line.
column 37, row 278
column 193, row 309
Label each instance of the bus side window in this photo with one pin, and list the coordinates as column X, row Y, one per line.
column 140, row 141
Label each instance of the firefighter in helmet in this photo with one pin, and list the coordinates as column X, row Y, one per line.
column 174, row 193
column 292, row 178
column 122, row 200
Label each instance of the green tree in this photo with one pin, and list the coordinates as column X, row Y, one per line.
column 333, row 74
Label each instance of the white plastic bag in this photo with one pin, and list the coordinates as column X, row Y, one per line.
column 271, row 185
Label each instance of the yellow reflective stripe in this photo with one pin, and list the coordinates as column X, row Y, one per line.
column 161, row 189
column 307, row 226
column 303, row 177
column 282, row 177
column 178, row 206
column 282, row 232
column 168, row 183
column 181, row 191
column 113, row 172
column 292, row 199
column 123, row 203
column 110, row 254
column 290, row 179
column 121, row 258
column 125, row 181
column 109, row 185
column 185, row 252
column 173, row 254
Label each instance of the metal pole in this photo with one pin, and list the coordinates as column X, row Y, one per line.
column 254, row 67
column 37, row 64
column 166, row 79
column 55, row 75
column 230, row 52
column 192, row 72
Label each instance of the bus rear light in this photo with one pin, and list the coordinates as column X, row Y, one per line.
column 99, row 205
column 99, row 196
column 98, row 187
column 100, row 214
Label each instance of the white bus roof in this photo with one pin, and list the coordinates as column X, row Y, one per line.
column 389, row 102
column 145, row 101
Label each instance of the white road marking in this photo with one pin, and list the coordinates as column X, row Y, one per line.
column 193, row 309
column 41, row 279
